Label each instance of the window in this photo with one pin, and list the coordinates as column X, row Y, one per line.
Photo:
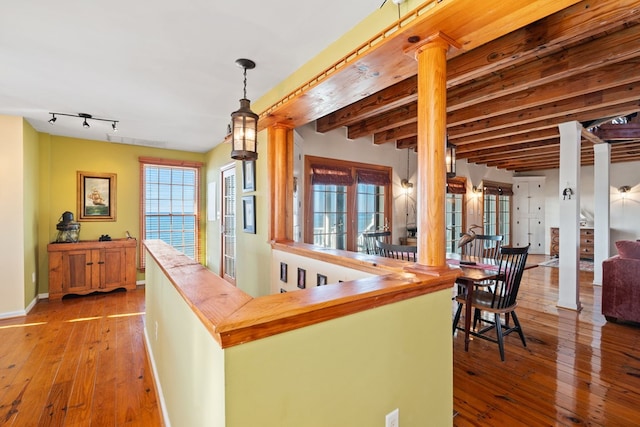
column 454, row 209
column 228, row 244
column 169, row 211
column 344, row 199
column 497, row 210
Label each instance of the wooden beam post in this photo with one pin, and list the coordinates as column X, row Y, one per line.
column 280, row 161
column 432, row 131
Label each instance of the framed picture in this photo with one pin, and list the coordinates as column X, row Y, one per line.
column 249, row 214
column 283, row 272
column 322, row 280
column 96, row 196
column 302, row 278
column 249, row 175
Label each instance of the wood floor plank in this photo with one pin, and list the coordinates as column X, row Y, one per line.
column 104, row 403
column 64, row 371
column 577, row 369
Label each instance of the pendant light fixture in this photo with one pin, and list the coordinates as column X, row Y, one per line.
column 244, row 123
column 450, row 159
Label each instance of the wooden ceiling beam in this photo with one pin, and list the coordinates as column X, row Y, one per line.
column 395, row 118
column 517, row 153
column 612, row 132
column 480, row 134
column 535, row 138
column 557, row 112
column 587, row 19
column 610, row 49
column 577, row 22
column 392, row 135
column 600, row 79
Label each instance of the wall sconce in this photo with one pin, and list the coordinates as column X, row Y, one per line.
column 450, row 159
column 85, row 116
column 244, row 123
column 476, row 190
column 567, row 193
column 624, row 190
column 406, row 185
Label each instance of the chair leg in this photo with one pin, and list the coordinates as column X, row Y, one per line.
column 518, row 328
column 499, row 334
column 476, row 317
column 456, row 318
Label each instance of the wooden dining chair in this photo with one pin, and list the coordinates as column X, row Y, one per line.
column 403, row 252
column 370, row 237
column 502, row 301
column 484, row 246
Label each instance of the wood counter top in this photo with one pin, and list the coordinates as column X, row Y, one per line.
column 234, row 317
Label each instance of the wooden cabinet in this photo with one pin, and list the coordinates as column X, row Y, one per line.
column 90, row 266
column 586, row 243
column 528, row 213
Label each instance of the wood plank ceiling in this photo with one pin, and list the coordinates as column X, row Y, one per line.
column 506, row 97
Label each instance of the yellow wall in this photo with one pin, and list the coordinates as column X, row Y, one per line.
column 349, row 371
column 30, row 211
column 61, row 158
column 253, row 250
column 188, row 364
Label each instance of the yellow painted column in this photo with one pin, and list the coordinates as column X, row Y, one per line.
column 280, row 161
column 432, row 130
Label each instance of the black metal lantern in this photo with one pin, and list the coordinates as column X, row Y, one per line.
column 68, row 230
column 244, row 123
column 450, row 159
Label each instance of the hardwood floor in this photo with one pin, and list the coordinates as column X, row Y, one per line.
column 577, row 369
column 78, row 362
column 82, row 362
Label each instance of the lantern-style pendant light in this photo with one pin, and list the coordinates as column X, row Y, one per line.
column 244, row 123
column 450, row 159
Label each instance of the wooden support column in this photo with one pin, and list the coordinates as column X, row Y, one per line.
column 432, row 130
column 280, row 162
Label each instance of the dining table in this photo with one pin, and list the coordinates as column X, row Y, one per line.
column 474, row 270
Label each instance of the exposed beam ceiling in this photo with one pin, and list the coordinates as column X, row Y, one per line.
column 505, row 98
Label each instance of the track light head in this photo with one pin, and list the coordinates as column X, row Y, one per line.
column 114, row 126
column 85, row 124
column 53, row 119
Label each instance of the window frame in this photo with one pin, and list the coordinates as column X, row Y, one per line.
column 178, row 164
column 351, row 190
column 500, row 190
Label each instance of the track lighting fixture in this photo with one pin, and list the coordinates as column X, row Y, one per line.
column 244, row 123
column 85, row 116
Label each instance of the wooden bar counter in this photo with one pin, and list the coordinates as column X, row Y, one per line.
column 234, row 317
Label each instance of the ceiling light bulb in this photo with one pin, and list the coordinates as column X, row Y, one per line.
column 85, row 124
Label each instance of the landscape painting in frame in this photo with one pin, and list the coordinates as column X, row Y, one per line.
column 96, row 196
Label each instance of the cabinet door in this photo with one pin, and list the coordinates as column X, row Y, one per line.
column 536, row 236
column 520, row 235
column 77, row 266
column 112, row 267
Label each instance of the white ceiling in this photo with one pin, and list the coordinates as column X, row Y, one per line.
column 165, row 69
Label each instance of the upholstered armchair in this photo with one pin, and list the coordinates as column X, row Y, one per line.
column 621, row 283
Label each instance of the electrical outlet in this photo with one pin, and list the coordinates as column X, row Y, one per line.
column 393, row 418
